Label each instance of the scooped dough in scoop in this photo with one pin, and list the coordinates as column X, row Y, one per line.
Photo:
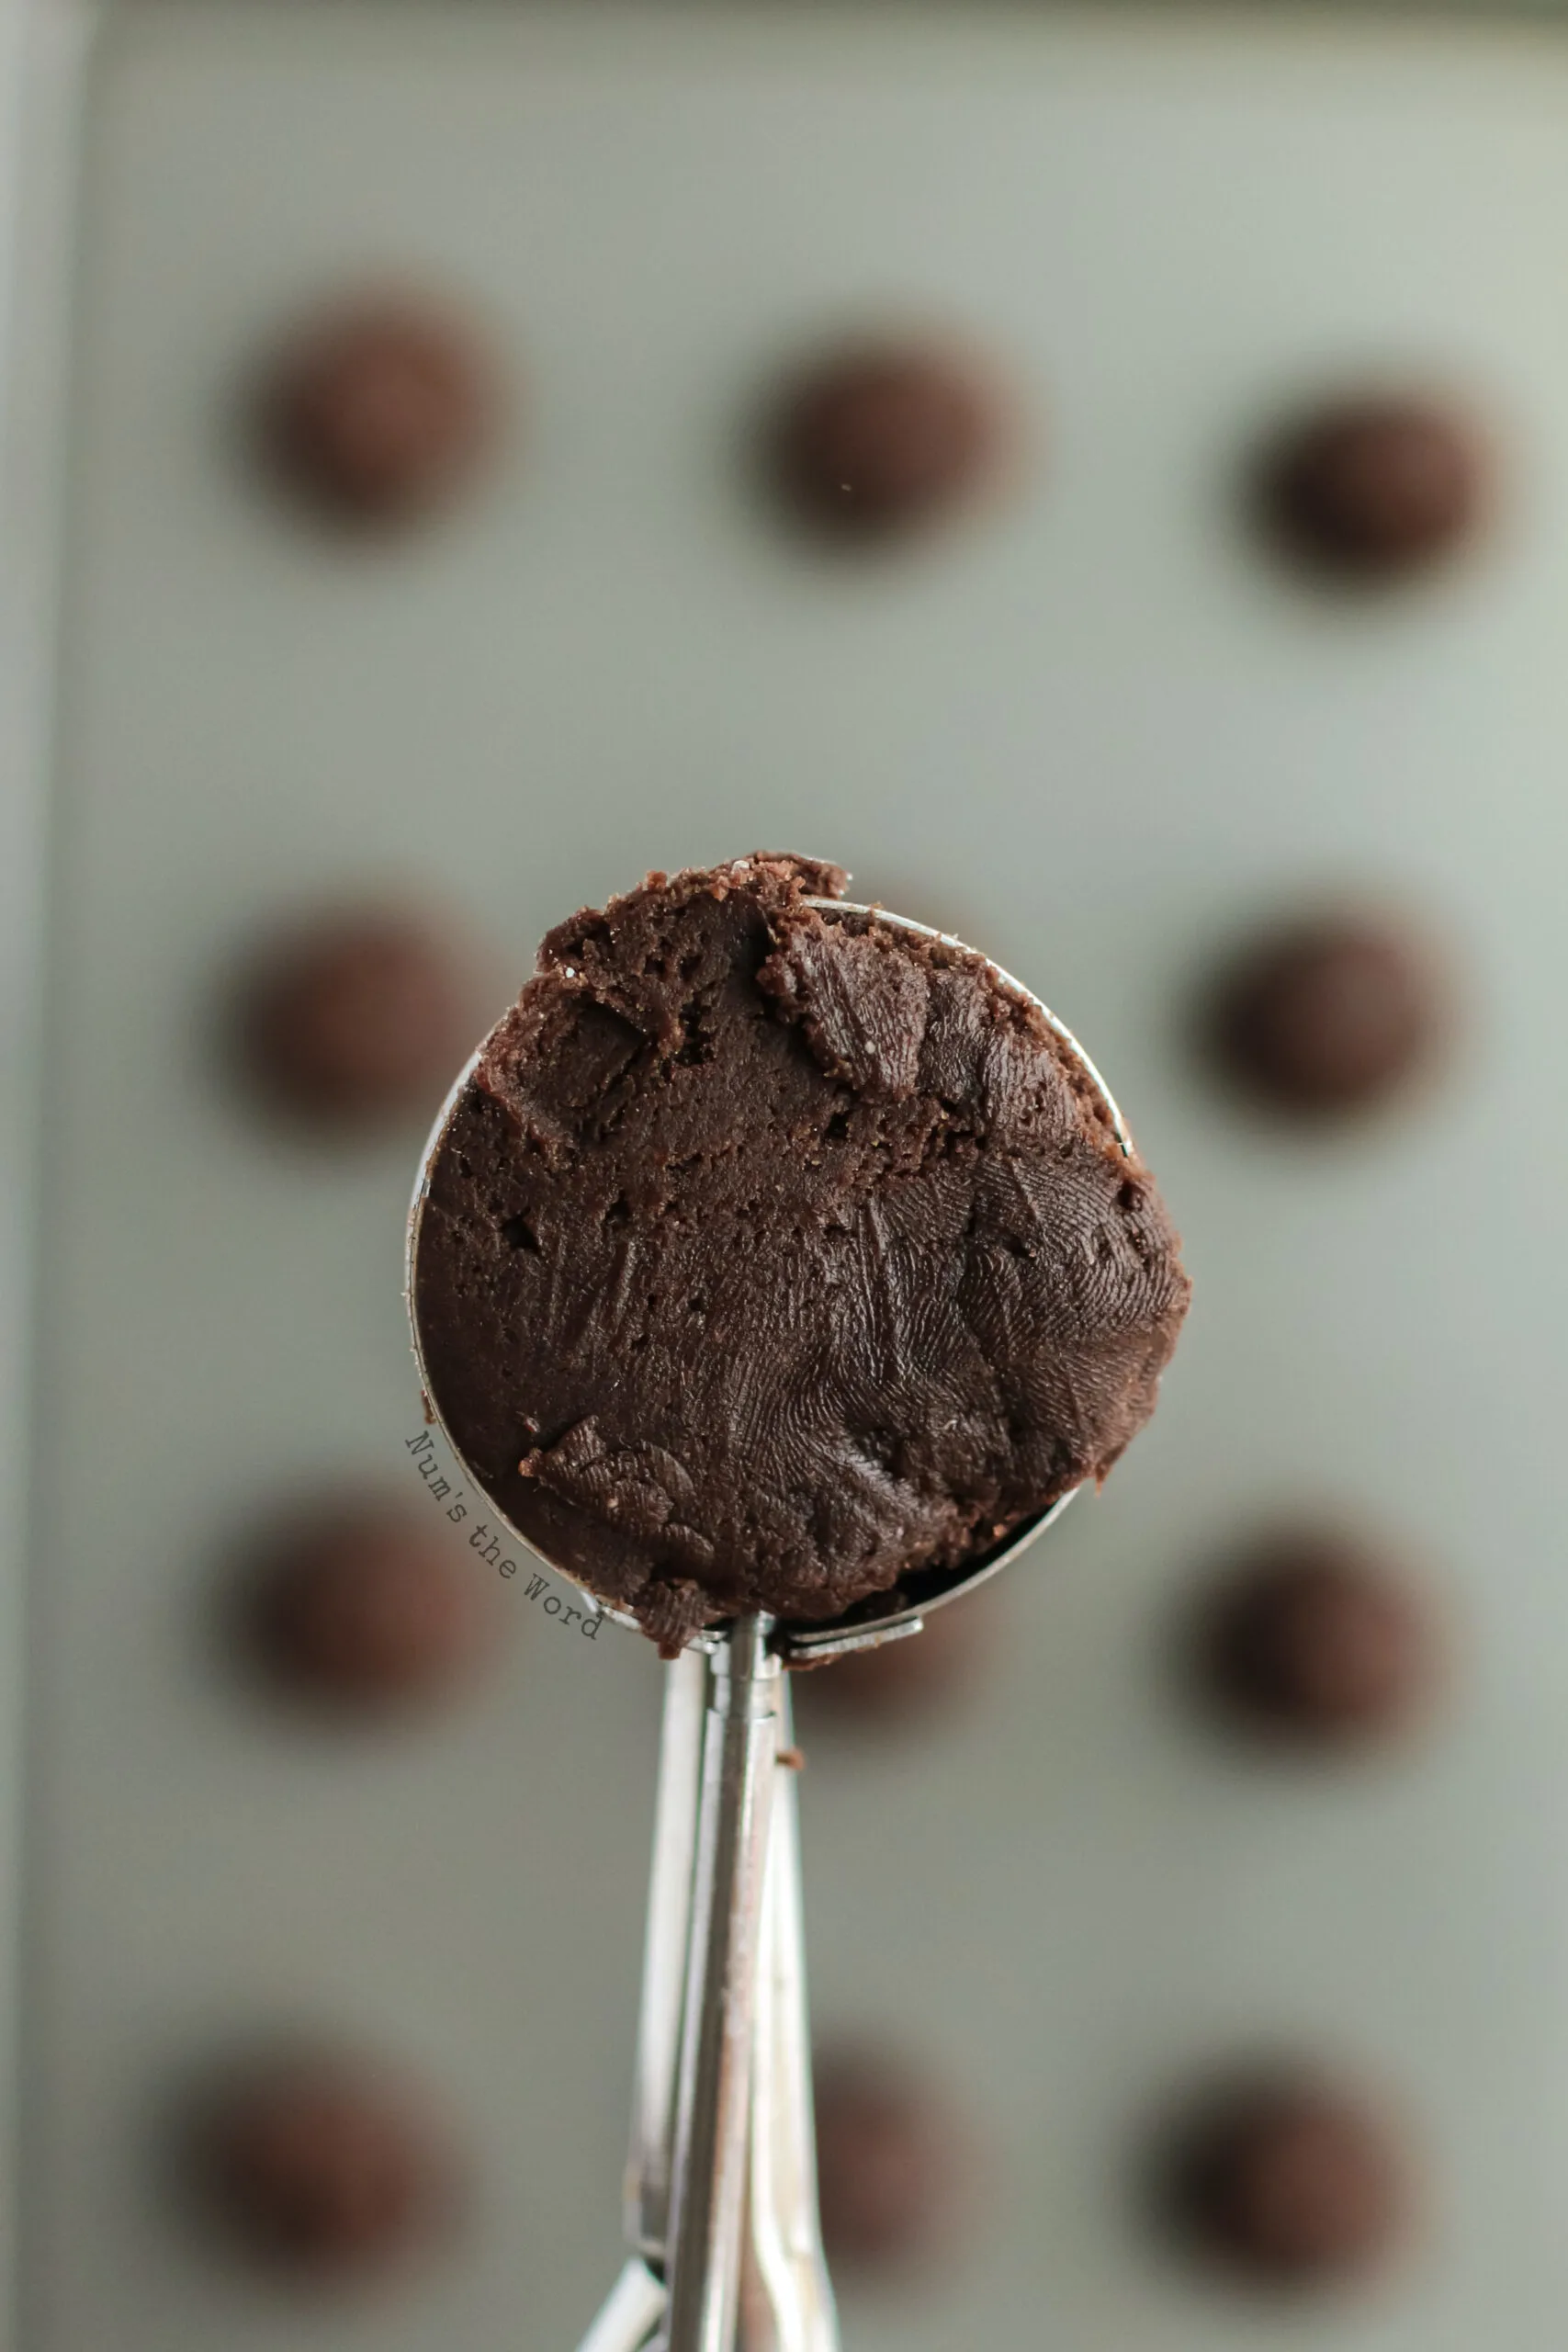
column 773, row 1255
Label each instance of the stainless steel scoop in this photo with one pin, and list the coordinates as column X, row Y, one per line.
column 720, row 2207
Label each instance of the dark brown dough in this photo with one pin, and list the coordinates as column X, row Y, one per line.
column 1287, row 2180
column 1328, row 1015
column 1375, row 489
column 377, row 414
column 355, row 1019
column 884, row 440
column 773, row 1257
column 363, row 1606
column 322, row 2167
column 1316, row 1640
column 894, row 2167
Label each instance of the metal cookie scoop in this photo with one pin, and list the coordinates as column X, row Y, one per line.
column 721, row 2192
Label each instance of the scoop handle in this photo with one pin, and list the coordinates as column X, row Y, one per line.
column 628, row 2320
column 788, row 2298
column 787, row 2302
column 646, row 2203
column 714, row 2096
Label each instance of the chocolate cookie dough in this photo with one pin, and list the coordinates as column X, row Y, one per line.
column 362, row 1607
column 1328, row 1015
column 376, row 414
column 771, row 1256
column 884, row 440
column 351, row 1022
column 1288, row 2180
column 1316, row 1641
column 895, row 2168
column 322, row 2167
column 1374, row 489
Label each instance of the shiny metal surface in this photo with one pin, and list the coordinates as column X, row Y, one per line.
column 713, row 2114
column 789, row 2275
column 631, row 2313
column 646, row 2200
column 721, row 2176
column 770, row 2248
